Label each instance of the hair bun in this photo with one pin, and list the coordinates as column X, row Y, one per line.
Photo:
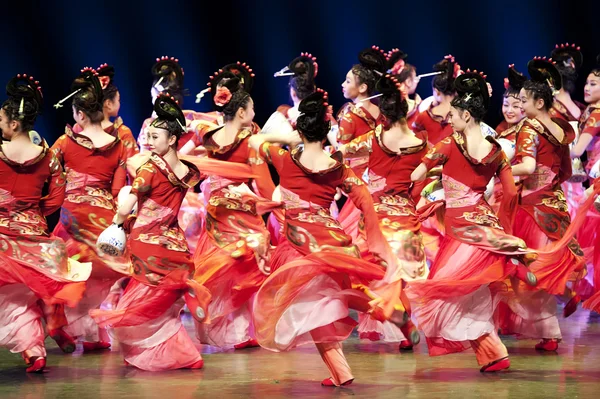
column 516, row 79
column 24, row 86
column 165, row 66
column 395, row 60
column 315, row 103
column 543, row 70
column 568, row 52
column 167, row 108
column 243, row 73
column 472, row 83
column 373, row 58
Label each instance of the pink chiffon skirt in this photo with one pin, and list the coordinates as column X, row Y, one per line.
column 148, row 327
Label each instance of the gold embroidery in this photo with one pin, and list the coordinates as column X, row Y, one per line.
column 484, row 216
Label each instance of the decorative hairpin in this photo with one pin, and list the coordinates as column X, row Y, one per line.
column 167, row 95
column 568, row 47
column 31, row 82
column 399, row 65
column 104, row 79
column 329, row 108
column 285, row 71
column 86, row 69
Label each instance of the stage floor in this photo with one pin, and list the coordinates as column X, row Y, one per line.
column 380, row 372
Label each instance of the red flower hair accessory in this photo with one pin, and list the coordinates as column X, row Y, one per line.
column 222, row 96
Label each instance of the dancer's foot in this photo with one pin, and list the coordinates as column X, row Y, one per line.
column 371, row 335
column 65, row 342
column 95, row 346
column 405, row 345
column 197, row 299
column 571, row 306
column 251, row 343
column 196, row 366
column 549, row 345
column 37, row 365
column 497, row 365
column 328, row 382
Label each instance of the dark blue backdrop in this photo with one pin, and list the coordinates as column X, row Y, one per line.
column 54, row 39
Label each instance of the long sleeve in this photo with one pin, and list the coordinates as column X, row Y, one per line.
column 510, row 197
column 58, row 148
column 347, row 125
column 527, row 143
column 56, row 188
column 131, row 147
column 439, row 154
column 120, row 178
column 263, row 181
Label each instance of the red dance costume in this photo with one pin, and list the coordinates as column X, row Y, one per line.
column 390, row 187
column 146, row 321
column 36, row 275
column 455, row 306
column 308, row 296
column 94, row 178
column 118, row 129
column 235, row 236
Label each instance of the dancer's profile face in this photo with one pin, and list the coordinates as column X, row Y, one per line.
column 511, row 109
column 112, row 106
column 457, row 120
column 247, row 114
column 531, row 107
column 350, row 87
column 159, row 140
column 4, row 125
column 412, row 82
column 591, row 91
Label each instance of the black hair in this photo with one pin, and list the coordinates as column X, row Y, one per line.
column 513, row 83
column 313, row 123
column 545, row 78
column 89, row 98
column 170, row 74
column 472, row 94
column 569, row 76
column 406, row 73
column 239, row 99
column 444, row 82
column 303, row 81
column 372, row 65
column 392, row 105
column 24, row 101
column 169, row 116
column 540, row 90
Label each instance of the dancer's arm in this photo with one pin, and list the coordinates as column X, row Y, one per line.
column 359, row 147
column 56, row 188
column 436, row 157
column 525, row 151
column 291, row 140
column 510, row 197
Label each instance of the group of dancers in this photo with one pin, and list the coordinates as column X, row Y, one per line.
column 413, row 213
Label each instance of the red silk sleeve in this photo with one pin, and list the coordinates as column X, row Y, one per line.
column 120, row 178
column 508, row 206
column 56, row 188
column 438, row 154
column 360, row 146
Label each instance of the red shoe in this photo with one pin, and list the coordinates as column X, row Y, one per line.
column 549, row 345
column 251, row 343
column 371, row 335
column 571, row 306
column 64, row 341
column 328, row 382
column 498, row 365
column 39, row 363
column 95, row 346
column 196, row 366
column 405, row 345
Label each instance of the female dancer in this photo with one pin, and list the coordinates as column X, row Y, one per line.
column 508, row 128
column 407, row 75
column 146, row 320
column 455, row 306
column 307, row 297
column 394, row 152
column 542, row 160
column 95, row 164
column 589, row 142
column 36, row 276
column 304, row 70
column 435, row 119
column 232, row 253
column 111, row 107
